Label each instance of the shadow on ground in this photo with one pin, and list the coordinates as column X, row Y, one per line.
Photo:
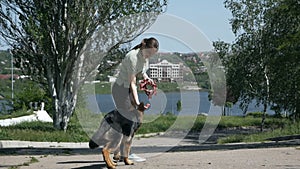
column 92, row 166
column 147, row 149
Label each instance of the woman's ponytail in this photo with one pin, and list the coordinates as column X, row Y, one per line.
column 147, row 43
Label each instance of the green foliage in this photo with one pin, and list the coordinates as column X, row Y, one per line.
column 178, row 105
column 203, row 80
column 25, row 91
column 103, row 88
column 256, row 114
column 58, row 32
column 5, row 88
column 110, row 62
column 5, row 62
column 169, row 113
column 168, row 87
column 263, row 62
column 29, row 91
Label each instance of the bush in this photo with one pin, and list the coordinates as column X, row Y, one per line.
column 256, row 114
column 237, row 138
column 30, row 92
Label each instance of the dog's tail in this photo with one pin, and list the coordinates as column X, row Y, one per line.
column 92, row 144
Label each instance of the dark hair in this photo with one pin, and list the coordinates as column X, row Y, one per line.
column 147, row 43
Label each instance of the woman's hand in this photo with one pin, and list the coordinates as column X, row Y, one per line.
column 146, row 77
column 150, row 80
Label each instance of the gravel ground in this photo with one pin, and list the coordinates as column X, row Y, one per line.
column 262, row 158
column 160, row 152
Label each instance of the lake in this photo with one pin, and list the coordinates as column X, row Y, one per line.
column 193, row 102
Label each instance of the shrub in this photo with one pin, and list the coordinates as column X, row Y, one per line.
column 30, row 92
column 256, row 114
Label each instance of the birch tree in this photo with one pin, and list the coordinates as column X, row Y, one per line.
column 61, row 42
column 283, row 30
column 263, row 63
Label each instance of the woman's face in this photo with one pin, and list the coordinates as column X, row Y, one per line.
column 148, row 52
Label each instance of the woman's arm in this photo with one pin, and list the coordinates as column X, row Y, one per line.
column 133, row 88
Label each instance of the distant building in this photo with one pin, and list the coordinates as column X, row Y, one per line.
column 8, row 76
column 166, row 71
column 112, row 79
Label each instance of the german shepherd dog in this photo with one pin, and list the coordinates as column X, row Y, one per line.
column 115, row 134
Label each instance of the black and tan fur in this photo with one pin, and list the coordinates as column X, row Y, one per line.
column 115, row 134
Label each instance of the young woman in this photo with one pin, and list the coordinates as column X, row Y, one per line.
column 124, row 90
column 136, row 61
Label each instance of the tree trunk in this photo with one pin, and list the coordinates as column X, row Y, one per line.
column 263, row 117
column 64, row 109
column 64, row 100
column 266, row 101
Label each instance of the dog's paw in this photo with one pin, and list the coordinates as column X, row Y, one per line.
column 114, row 164
column 117, row 157
column 127, row 161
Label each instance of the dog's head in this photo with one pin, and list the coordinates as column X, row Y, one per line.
column 140, row 111
column 142, row 107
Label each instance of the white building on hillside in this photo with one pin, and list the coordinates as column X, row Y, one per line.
column 166, row 71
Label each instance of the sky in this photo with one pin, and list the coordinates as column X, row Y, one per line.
column 203, row 19
column 190, row 26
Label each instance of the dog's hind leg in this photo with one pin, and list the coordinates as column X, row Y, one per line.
column 112, row 146
column 98, row 137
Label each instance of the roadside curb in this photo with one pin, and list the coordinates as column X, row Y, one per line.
column 37, row 144
column 31, row 144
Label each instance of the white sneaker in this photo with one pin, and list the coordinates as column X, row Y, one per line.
column 136, row 158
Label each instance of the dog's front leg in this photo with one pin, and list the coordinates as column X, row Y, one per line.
column 117, row 155
column 127, row 140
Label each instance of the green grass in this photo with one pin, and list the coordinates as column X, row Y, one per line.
column 289, row 129
column 162, row 123
column 41, row 131
column 38, row 131
column 84, row 123
column 15, row 114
